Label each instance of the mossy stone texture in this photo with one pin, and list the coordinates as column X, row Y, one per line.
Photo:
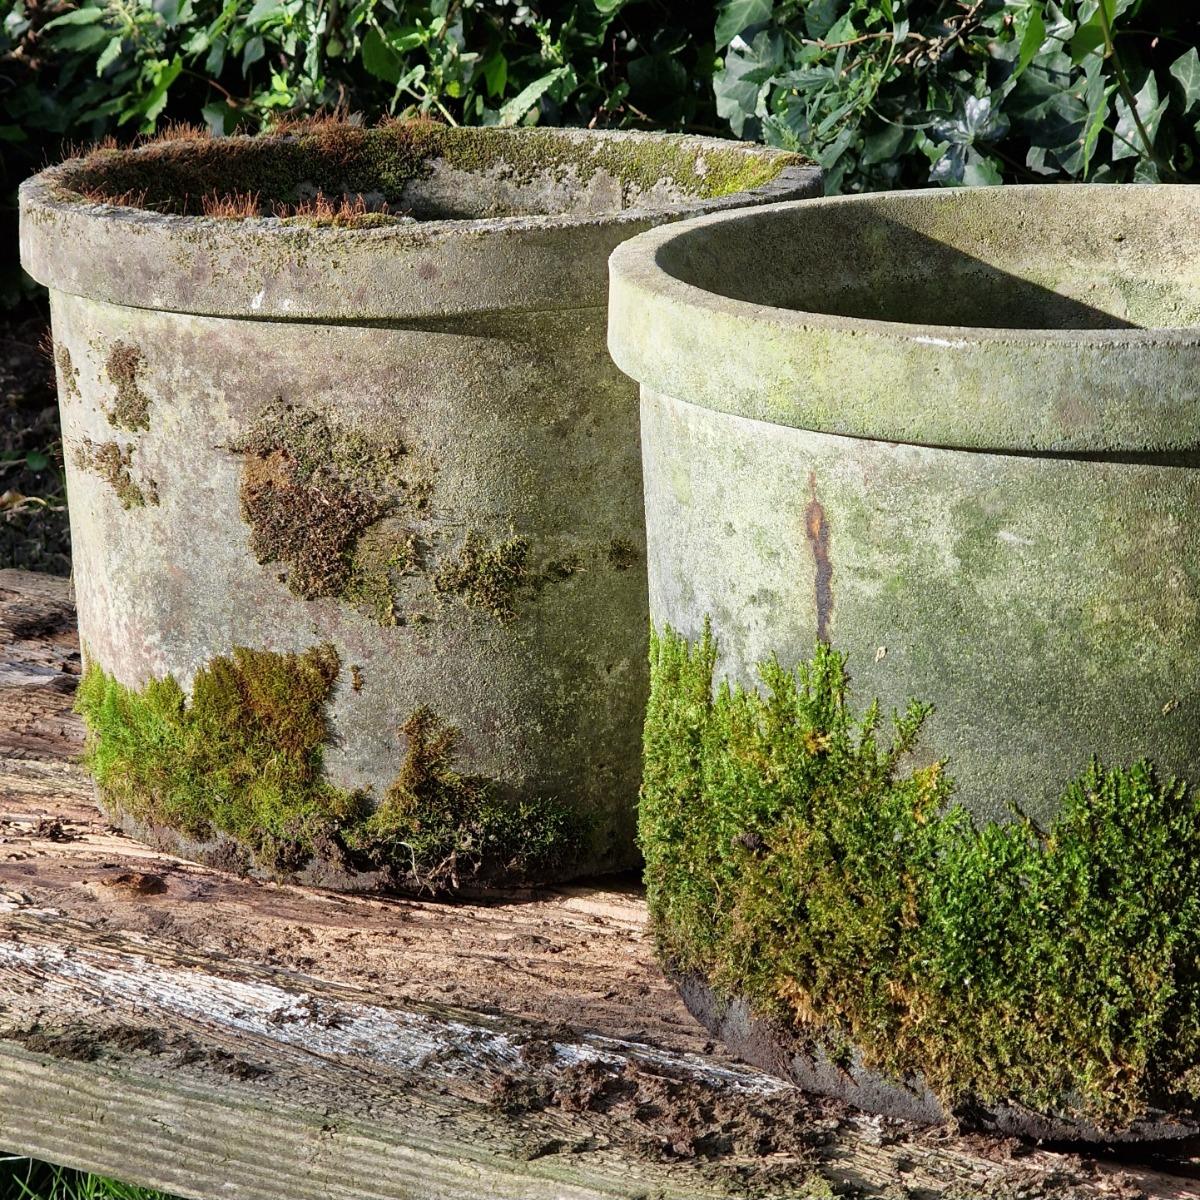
column 955, row 435
column 433, row 397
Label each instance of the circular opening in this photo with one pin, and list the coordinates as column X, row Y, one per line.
column 1033, row 258
column 335, row 173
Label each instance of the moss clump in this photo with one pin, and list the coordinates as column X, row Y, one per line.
column 381, row 558
column 794, row 860
column 328, row 157
column 131, row 406
column 112, row 462
column 437, row 829
column 485, row 577
column 244, row 758
column 308, row 493
column 622, row 554
column 68, row 372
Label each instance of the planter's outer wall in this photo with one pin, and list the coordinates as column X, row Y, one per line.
column 482, row 345
column 1044, row 601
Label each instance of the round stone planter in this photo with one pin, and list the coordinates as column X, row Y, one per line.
column 355, row 492
column 955, row 436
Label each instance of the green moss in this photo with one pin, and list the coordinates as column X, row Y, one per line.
column 639, row 166
column 112, row 462
column 131, row 406
column 485, row 577
column 383, row 555
column 795, row 858
column 244, row 758
column 439, row 829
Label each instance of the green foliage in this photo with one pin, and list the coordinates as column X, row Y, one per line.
column 796, row 857
column 902, row 93
column 25, row 1179
column 884, row 93
column 240, row 63
column 244, row 758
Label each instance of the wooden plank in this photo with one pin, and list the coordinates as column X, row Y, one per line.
column 214, row 1036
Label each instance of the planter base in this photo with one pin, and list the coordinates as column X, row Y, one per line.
column 774, row 1048
column 331, row 871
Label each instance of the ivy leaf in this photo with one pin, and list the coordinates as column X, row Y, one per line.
column 263, row 10
column 512, row 111
column 740, row 86
column 254, row 49
column 736, row 16
column 495, row 74
column 1185, row 70
column 109, row 54
column 1128, row 140
column 378, row 58
column 1031, row 39
column 77, row 16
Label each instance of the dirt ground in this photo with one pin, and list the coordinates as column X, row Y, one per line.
column 33, row 513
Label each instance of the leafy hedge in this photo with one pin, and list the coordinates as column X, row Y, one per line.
column 889, row 93
column 884, row 93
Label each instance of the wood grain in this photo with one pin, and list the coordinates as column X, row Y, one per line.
column 219, row 1037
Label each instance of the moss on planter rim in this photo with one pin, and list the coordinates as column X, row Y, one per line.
column 244, row 758
column 797, row 859
column 279, row 173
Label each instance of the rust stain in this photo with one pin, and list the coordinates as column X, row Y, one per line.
column 816, row 529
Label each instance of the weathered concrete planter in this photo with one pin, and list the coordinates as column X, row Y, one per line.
column 956, row 435
column 387, row 456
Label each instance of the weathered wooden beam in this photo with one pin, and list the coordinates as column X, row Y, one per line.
column 213, row 1036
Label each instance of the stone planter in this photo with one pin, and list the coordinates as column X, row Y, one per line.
column 354, row 489
column 953, row 435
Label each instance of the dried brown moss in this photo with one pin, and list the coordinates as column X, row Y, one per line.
column 131, row 406
column 309, row 492
column 112, row 462
column 311, row 525
column 622, row 554
column 68, row 372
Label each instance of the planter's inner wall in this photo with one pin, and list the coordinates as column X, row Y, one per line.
column 419, row 170
column 994, row 258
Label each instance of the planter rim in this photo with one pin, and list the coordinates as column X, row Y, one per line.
column 758, row 359
column 260, row 267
